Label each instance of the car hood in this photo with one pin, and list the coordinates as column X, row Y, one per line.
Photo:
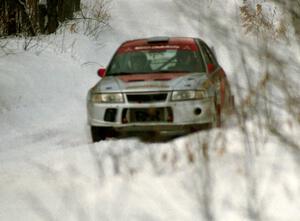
column 150, row 82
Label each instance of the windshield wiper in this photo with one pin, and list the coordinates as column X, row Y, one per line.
column 121, row 73
column 170, row 71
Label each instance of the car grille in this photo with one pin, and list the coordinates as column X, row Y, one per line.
column 147, row 98
column 143, row 115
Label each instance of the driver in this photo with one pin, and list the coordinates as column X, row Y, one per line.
column 139, row 62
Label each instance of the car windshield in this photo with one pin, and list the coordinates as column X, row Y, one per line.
column 156, row 61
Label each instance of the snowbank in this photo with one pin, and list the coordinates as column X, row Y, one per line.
column 49, row 170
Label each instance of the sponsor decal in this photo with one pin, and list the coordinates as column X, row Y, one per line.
column 157, row 47
column 187, row 47
column 150, row 77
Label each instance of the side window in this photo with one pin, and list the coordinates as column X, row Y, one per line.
column 210, row 58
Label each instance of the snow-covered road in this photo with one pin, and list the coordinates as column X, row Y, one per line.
column 49, row 169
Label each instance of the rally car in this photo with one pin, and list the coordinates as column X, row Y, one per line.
column 160, row 85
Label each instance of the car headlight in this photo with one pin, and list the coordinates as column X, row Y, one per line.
column 189, row 95
column 107, row 98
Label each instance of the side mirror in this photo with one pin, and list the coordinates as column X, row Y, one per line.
column 210, row 68
column 101, row 72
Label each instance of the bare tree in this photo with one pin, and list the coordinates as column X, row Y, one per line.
column 34, row 16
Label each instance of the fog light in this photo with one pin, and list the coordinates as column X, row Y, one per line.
column 124, row 116
column 170, row 117
column 110, row 114
column 197, row 111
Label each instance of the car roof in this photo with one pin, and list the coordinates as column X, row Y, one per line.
column 157, row 43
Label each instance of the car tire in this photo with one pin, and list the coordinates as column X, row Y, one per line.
column 218, row 116
column 99, row 133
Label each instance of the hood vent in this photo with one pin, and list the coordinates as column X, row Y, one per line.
column 158, row 39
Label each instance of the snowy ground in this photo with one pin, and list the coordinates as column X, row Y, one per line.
column 49, row 169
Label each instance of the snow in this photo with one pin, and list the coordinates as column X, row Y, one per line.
column 50, row 170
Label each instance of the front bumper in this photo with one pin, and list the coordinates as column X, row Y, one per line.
column 181, row 116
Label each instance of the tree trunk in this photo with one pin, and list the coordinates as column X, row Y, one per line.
column 33, row 12
column 68, row 9
column 42, row 18
column 65, row 9
column 60, row 11
column 11, row 25
column 2, row 13
column 52, row 16
column 77, row 5
column 25, row 22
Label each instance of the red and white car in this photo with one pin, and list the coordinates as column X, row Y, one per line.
column 166, row 85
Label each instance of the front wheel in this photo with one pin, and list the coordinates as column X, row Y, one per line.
column 101, row 133
column 217, row 114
